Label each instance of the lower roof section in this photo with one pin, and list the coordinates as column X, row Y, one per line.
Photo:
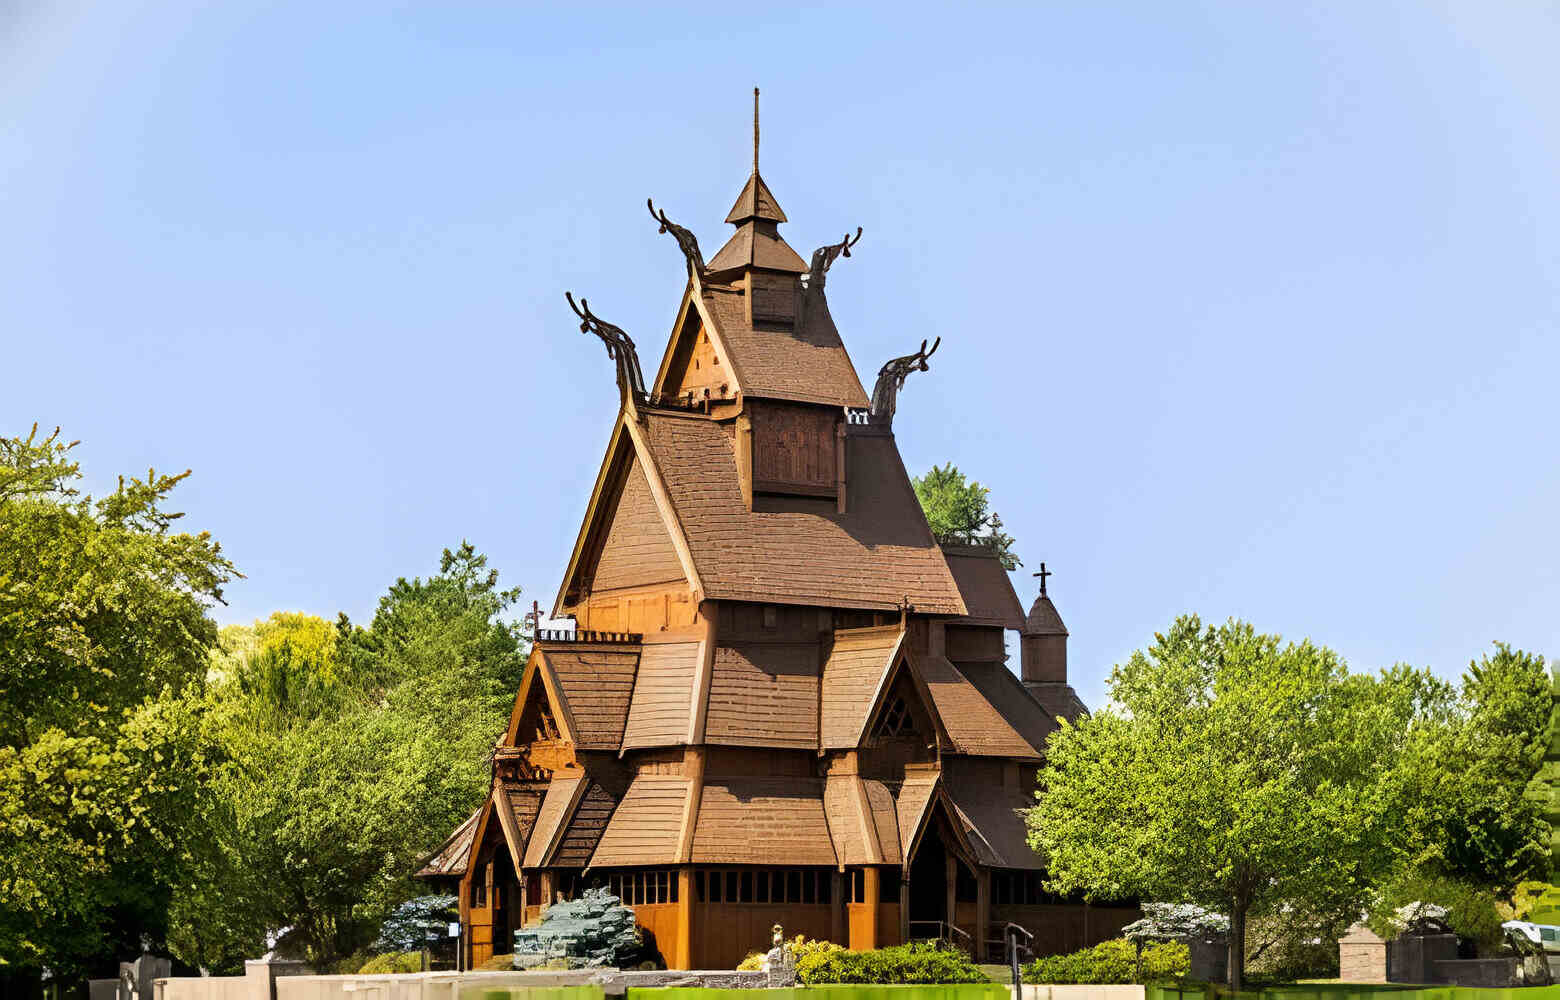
column 762, row 821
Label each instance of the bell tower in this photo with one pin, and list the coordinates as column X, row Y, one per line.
column 1043, row 655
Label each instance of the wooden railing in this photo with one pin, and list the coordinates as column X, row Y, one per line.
column 943, row 931
column 588, row 635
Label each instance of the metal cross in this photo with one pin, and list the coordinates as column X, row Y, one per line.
column 1042, row 575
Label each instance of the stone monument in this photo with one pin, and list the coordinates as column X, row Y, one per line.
column 779, row 964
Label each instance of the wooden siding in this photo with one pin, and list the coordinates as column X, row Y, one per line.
column 643, row 830
column 855, row 667
column 725, row 933
column 661, row 925
column 663, row 695
column 597, row 683
column 647, row 611
column 769, row 821
column 585, row 828
column 794, row 448
column 914, row 797
column 764, row 695
column 638, row 550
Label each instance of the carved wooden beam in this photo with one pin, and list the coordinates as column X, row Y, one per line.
column 686, row 241
column 823, row 258
column 620, row 348
column 891, row 378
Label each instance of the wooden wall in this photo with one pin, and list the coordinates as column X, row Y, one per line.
column 725, row 933
column 660, row 920
column 638, row 549
column 646, row 610
column 794, row 448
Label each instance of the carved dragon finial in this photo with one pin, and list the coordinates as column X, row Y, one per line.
column 891, row 378
column 686, row 241
column 823, row 258
column 620, row 348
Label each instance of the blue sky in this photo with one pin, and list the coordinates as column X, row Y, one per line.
column 1247, row 309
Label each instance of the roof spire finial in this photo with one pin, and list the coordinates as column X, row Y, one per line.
column 755, row 131
column 1042, row 575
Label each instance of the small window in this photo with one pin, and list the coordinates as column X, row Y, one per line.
column 809, row 887
column 1548, row 933
column 731, row 888
column 715, row 885
column 793, row 887
column 762, row 887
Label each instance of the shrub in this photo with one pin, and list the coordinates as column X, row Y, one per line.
column 393, row 961
column 1467, row 910
column 919, row 963
column 1114, row 961
column 800, row 946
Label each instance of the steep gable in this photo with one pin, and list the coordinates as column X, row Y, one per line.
column 638, row 548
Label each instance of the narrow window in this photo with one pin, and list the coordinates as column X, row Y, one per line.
column 793, row 886
column 731, row 888
column 747, row 887
column 809, row 887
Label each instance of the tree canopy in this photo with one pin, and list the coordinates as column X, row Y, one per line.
column 104, row 643
column 350, row 754
column 959, row 510
column 1234, row 771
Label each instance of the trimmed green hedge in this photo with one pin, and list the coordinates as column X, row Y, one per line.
column 393, row 961
column 917, row 963
column 1115, row 961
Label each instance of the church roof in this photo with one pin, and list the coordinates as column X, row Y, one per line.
column 755, row 202
column 562, row 794
column 449, row 860
column 777, row 821
column 806, row 363
column 994, row 823
column 973, row 723
column 1028, row 717
column 645, row 827
column 858, row 663
column 757, row 244
column 1043, row 619
column 596, row 683
column 862, row 820
column 984, row 585
column 1059, row 699
column 874, row 555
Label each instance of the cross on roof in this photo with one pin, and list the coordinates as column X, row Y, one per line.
column 1042, row 575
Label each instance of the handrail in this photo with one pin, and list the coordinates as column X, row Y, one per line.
column 945, row 932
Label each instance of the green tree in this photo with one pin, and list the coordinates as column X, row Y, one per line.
column 104, row 642
column 958, row 509
column 351, row 753
column 1234, row 771
column 1467, row 780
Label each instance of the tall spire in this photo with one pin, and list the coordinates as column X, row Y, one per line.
column 756, row 213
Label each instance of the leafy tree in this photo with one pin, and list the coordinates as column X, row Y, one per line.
column 1466, row 780
column 1233, row 771
column 960, row 510
column 104, row 641
column 352, row 752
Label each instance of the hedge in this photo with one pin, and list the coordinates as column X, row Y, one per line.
column 917, row 963
column 1114, row 961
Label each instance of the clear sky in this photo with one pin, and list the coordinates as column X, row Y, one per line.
column 1247, row 309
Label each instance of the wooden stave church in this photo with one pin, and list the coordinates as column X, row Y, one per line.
column 784, row 701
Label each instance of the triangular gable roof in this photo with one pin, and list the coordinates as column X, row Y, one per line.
column 538, row 676
column 922, row 795
column 902, row 663
column 692, row 318
column 623, row 448
column 807, row 364
column 854, row 677
column 862, row 820
column 563, row 795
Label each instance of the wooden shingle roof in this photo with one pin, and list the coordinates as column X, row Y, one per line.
column 994, row 824
column 774, row 821
column 858, row 663
column 645, row 826
column 661, row 712
column 449, row 860
column 862, row 820
column 974, row 724
column 1058, row 699
column 1043, row 618
column 596, row 682
column 1008, row 695
column 806, row 364
column 562, row 795
column 984, row 585
column 872, row 556
column 764, row 695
